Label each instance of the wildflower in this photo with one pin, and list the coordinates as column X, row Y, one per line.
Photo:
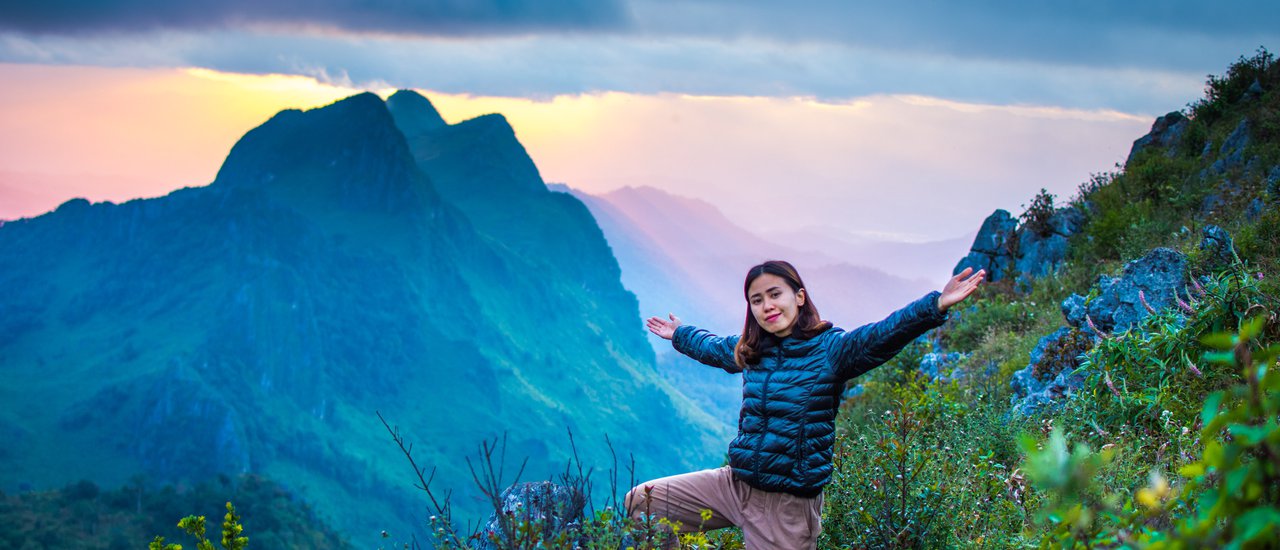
column 1142, row 297
column 1259, row 275
column 1106, row 375
column 1094, row 327
column 1196, row 284
column 1193, row 368
column 1183, row 305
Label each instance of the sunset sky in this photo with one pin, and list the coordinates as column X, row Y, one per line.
column 906, row 119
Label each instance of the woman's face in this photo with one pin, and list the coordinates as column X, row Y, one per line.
column 774, row 305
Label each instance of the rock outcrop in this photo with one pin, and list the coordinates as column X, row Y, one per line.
column 553, row 507
column 992, row 248
column 1007, row 250
column 1116, row 304
column 1051, row 374
column 1231, row 154
column 1039, row 254
column 1166, row 134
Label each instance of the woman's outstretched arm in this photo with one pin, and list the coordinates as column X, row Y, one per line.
column 698, row 344
column 868, row 346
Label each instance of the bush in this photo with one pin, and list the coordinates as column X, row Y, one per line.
column 1036, row 217
column 1230, row 494
column 1222, row 91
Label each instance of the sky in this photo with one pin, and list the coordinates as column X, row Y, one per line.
column 912, row 119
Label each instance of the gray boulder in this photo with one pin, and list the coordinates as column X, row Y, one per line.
column 1231, row 154
column 1218, row 246
column 1166, row 134
column 1074, row 310
column 1273, row 184
column 937, row 365
column 553, row 507
column 1050, row 374
column 1255, row 209
column 1004, row 249
column 991, row 248
column 1159, row 277
column 1041, row 254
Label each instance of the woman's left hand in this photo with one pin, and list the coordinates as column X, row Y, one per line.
column 960, row 287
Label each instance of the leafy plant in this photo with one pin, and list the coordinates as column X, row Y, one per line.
column 194, row 526
column 1231, row 492
column 1037, row 216
column 1221, row 91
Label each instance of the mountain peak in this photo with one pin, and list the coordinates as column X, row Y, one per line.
column 414, row 113
column 350, row 150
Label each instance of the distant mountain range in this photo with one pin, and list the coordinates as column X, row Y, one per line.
column 682, row 255
column 358, row 257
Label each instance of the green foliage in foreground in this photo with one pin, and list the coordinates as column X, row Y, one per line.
column 1229, row 493
column 194, row 526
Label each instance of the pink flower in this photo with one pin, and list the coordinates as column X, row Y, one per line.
column 1183, row 305
column 1106, row 375
column 1196, row 285
column 1094, row 327
column 1259, row 275
column 1142, row 297
column 1193, row 368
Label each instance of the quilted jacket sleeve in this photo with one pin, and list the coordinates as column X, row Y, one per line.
column 868, row 346
column 706, row 348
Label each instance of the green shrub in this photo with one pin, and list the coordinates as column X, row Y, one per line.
column 1231, row 492
column 1036, row 217
column 1222, row 91
column 194, row 526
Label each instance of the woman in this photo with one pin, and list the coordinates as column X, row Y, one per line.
column 794, row 367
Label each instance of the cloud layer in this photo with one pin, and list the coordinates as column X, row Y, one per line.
column 1095, row 54
column 418, row 17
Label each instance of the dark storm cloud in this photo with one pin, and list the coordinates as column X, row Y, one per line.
column 1168, row 34
column 1145, row 57
column 413, row 17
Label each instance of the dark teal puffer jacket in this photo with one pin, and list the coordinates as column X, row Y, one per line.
column 786, row 428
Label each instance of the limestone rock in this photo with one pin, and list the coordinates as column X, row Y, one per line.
column 1158, row 276
column 1218, row 244
column 991, row 248
column 1050, row 375
column 555, row 507
column 1231, row 154
column 1166, row 133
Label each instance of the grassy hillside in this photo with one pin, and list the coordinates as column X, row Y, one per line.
column 1171, row 438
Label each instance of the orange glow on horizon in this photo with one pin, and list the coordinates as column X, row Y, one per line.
column 122, row 133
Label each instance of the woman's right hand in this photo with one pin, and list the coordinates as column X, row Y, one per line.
column 662, row 327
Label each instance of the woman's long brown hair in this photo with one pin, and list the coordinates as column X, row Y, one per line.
column 808, row 322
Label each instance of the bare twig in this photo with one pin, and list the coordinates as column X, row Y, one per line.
column 442, row 508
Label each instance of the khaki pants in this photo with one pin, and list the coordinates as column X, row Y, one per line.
column 768, row 520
